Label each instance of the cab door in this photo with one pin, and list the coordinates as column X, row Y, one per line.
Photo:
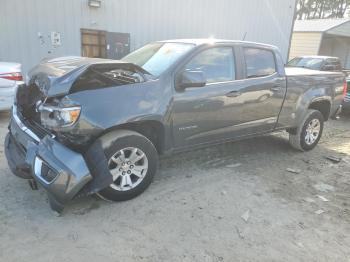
column 262, row 91
column 212, row 112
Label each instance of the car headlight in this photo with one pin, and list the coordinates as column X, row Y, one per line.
column 54, row 117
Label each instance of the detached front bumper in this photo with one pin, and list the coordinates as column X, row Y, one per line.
column 61, row 171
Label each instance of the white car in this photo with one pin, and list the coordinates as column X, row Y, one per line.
column 10, row 78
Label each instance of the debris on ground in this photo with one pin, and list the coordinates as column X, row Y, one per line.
column 300, row 244
column 309, row 200
column 239, row 233
column 223, row 192
column 234, row 165
column 294, row 171
column 333, row 159
column 307, row 161
column 246, row 215
column 56, row 214
column 319, row 212
column 323, row 198
column 346, row 159
column 323, row 187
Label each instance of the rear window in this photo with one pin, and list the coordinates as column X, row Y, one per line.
column 334, row 64
column 259, row 62
column 306, row 62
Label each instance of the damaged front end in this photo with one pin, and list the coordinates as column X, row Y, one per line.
column 60, row 170
column 41, row 116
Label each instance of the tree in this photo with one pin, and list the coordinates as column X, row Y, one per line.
column 316, row 9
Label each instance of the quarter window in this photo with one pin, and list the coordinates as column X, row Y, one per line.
column 216, row 63
column 259, row 62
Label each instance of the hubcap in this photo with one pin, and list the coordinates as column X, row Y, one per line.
column 128, row 168
column 312, row 131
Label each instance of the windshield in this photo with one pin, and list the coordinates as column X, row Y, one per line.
column 310, row 63
column 155, row 58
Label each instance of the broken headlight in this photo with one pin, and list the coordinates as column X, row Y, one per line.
column 53, row 117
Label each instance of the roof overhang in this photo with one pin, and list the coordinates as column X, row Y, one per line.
column 340, row 30
column 335, row 27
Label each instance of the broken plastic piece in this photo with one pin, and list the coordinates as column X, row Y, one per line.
column 246, row 215
column 333, row 159
column 295, row 171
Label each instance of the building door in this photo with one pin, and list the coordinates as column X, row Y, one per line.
column 117, row 45
column 93, row 43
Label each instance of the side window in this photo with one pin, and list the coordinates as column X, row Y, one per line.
column 259, row 62
column 216, row 63
column 335, row 63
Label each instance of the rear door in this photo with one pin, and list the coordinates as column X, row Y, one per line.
column 262, row 92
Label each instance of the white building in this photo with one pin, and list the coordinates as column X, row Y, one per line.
column 33, row 29
column 330, row 37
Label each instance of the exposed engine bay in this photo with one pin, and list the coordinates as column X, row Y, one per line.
column 42, row 100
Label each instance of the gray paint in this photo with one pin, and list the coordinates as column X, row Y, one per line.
column 212, row 110
column 191, row 117
column 268, row 21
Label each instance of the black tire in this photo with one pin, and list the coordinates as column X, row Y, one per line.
column 298, row 139
column 118, row 140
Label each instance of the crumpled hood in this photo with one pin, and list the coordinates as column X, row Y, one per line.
column 55, row 77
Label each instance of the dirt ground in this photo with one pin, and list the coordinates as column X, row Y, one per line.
column 234, row 202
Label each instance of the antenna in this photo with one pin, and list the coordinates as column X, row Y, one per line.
column 245, row 34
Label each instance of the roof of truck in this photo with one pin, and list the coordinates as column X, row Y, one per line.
column 298, row 71
column 318, row 56
column 202, row 41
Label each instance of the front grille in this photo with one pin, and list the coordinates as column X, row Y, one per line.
column 36, row 128
column 40, row 131
column 26, row 99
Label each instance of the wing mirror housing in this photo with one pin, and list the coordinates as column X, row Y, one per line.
column 188, row 79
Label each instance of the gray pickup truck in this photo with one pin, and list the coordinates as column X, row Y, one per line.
column 83, row 126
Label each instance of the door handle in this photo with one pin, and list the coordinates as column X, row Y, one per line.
column 275, row 88
column 233, row 94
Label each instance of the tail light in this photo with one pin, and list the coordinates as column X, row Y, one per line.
column 345, row 88
column 12, row 76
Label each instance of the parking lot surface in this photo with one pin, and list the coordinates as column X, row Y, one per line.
column 253, row 200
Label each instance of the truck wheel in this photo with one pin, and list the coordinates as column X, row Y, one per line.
column 132, row 161
column 309, row 132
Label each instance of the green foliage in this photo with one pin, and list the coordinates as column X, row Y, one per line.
column 318, row 9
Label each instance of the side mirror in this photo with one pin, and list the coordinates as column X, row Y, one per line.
column 191, row 79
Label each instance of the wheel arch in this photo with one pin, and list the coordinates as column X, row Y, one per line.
column 152, row 129
column 323, row 105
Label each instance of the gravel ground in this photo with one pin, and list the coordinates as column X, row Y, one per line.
column 234, row 202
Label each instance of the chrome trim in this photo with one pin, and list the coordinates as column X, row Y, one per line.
column 22, row 126
column 38, row 163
